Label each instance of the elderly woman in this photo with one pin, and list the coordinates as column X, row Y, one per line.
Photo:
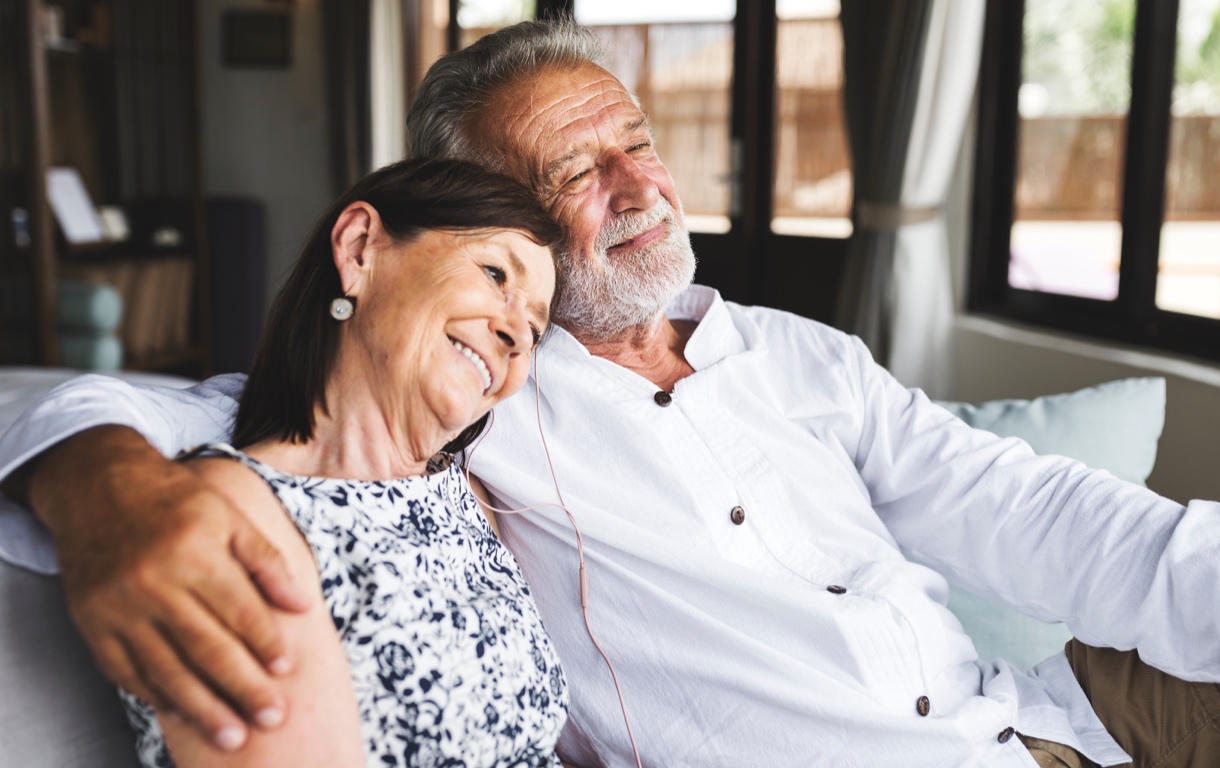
column 413, row 309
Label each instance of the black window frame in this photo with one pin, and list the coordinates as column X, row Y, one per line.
column 1133, row 317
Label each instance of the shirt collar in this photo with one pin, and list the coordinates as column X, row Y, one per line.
column 719, row 334
column 716, row 337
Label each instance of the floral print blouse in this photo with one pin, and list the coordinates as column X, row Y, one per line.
column 451, row 664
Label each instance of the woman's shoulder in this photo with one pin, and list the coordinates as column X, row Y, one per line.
column 235, row 476
column 227, row 468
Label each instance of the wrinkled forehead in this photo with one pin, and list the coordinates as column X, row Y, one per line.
column 551, row 113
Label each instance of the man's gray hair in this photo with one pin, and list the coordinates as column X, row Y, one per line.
column 459, row 85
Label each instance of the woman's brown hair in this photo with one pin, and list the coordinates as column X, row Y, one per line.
column 295, row 353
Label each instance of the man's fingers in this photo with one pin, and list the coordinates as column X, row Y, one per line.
column 238, row 606
column 112, row 659
column 170, row 681
column 212, row 641
column 267, row 568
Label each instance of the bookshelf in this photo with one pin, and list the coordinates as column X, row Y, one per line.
column 108, row 88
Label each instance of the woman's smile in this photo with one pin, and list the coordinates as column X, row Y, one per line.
column 476, row 360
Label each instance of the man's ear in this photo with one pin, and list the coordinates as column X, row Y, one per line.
column 357, row 226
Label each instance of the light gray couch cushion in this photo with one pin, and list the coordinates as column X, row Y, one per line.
column 55, row 708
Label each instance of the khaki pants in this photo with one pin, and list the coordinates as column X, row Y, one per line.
column 1159, row 720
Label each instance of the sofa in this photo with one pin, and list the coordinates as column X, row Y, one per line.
column 56, row 710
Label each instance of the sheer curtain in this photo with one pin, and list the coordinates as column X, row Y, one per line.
column 910, row 72
column 387, row 83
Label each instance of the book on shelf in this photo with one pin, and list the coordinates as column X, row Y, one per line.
column 138, row 330
column 183, row 289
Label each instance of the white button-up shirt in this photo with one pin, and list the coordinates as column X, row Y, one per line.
column 808, row 633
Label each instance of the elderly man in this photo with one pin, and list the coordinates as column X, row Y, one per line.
column 766, row 512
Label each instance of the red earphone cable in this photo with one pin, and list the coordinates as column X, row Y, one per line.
column 580, row 549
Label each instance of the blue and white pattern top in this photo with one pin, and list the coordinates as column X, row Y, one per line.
column 449, row 659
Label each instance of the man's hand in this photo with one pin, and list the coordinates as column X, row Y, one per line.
column 162, row 576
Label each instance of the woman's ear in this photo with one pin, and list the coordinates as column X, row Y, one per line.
column 357, row 226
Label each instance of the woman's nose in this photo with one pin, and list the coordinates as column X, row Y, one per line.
column 513, row 327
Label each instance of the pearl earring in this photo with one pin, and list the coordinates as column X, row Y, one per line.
column 341, row 308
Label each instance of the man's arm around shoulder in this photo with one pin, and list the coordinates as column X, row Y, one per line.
column 155, row 564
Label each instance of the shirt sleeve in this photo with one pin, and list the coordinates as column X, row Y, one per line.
column 1120, row 565
column 171, row 419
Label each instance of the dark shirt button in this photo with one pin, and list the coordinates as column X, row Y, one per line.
column 923, row 706
column 1005, row 735
column 738, row 515
column 663, row 398
column 835, row 589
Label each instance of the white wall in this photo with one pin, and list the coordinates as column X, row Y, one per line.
column 994, row 359
column 264, row 130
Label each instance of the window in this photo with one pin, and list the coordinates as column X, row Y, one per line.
column 476, row 18
column 1096, row 204
column 813, row 179
column 745, row 97
column 677, row 57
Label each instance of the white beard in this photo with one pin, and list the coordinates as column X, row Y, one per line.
column 606, row 295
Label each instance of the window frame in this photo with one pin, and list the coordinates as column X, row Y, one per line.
column 1133, row 317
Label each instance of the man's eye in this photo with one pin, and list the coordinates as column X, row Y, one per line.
column 496, row 274
column 579, row 176
column 641, row 145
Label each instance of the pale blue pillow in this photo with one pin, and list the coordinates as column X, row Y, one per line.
column 1112, row 426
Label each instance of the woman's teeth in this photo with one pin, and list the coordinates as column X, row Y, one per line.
column 473, row 357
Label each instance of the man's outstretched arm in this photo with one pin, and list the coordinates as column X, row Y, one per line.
column 164, row 578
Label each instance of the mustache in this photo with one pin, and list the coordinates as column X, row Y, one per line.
column 628, row 225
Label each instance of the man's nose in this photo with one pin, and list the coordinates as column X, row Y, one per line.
column 630, row 187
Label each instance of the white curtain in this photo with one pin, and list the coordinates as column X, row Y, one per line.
column 921, row 289
column 387, row 85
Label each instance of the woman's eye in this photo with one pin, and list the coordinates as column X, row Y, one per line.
column 496, row 274
column 537, row 334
